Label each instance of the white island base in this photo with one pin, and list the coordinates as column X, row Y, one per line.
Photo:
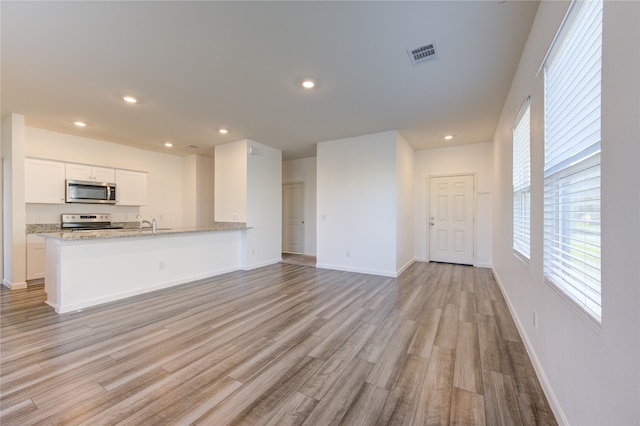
column 83, row 272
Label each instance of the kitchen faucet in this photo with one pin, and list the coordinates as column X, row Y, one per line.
column 152, row 224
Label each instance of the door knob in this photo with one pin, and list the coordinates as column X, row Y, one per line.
column 431, row 223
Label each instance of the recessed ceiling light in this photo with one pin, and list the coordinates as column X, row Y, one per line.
column 79, row 123
column 448, row 137
column 129, row 99
column 223, row 131
column 168, row 144
column 308, row 84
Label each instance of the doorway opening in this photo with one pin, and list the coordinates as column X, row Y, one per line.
column 293, row 218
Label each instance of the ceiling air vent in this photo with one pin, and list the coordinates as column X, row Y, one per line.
column 193, row 146
column 422, row 54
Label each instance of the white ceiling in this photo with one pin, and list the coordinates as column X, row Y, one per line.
column 199, row 66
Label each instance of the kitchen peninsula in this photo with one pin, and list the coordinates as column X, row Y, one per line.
column 89, row 268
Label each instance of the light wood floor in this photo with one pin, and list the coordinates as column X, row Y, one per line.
column 284, row 344
column 298, row 259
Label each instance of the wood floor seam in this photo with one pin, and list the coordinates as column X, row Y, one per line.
column 286, row 344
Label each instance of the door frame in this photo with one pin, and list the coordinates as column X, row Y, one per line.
column 475, row 211
column 304, row 213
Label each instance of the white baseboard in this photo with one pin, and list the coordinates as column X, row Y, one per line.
column 391, row 274
column 405, row 267
column 483, row 265
column 546, row 386
column 261, row 264
column 13, row 286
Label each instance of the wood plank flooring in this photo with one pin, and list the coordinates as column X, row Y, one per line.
column 281, row 345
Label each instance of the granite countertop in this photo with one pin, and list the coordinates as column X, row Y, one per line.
column 105, row 234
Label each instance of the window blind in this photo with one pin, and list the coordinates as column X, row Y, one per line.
column 522, row 182
column 572, row 158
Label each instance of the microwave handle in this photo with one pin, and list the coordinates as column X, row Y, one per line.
column 108, row 193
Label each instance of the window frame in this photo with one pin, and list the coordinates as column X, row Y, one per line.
column 521, row 181
column 572, row 183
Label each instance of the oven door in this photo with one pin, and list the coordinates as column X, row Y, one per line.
column 79, row 191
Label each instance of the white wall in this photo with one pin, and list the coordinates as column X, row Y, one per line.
column 231, row 181
column 197, row 192
column 357, row 204
column 14, row 243
column 473, row 159
column 204, row 191
column 164, row 183
column 248, row 188
column 405, row 235
column 591, row 375
column 264, row 206
column 189, row 187
column 304, row 170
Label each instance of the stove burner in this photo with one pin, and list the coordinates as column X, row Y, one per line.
column 87, row 222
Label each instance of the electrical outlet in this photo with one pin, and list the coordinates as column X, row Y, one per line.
column 535, row 319
column 348, row 253
column 161, row 265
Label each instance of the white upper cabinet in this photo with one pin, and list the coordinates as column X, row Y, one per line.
column 131, row 188
column 44, row 181
column 90, row 173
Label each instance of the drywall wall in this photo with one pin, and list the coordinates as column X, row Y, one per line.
column 197, row 192
column 591, row 374
column 465, row 159
column 14, row 243
column 405, row 254
column 248, row 182
column 230, row 170
column 264, row 206
column 357, row 204
column 204, row 191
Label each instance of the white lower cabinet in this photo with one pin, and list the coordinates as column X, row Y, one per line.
column 35, row 257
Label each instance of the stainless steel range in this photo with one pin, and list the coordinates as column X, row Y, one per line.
column 87, row 221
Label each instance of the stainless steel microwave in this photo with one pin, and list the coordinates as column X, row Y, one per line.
column 80, row 191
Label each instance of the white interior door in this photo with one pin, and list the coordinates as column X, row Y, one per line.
column 293, row 218
column 451, row 219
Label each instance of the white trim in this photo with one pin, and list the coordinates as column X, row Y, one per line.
column 521, row 258
column 13, row 286
column 542, row 377
column 390, row 274
column 405, row 267
column 260, row 265
column 483, row 265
